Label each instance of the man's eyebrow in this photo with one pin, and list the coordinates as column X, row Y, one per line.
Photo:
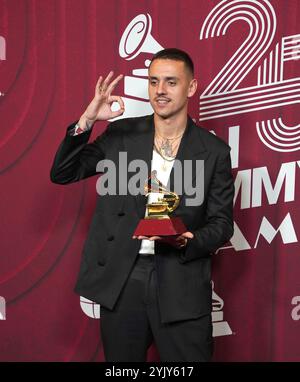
column 166, row 78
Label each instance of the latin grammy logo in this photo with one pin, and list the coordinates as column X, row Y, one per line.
column 137, row 39
column 220, row 327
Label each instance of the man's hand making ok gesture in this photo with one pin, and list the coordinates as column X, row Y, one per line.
column 100, row 107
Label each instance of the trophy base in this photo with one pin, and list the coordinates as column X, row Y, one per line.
column 160, row 227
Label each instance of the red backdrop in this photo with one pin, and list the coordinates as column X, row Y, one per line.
column 51, row 54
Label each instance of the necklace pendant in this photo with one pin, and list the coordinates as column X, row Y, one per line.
column 166, row 147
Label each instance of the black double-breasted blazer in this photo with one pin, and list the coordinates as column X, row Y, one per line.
column 184, row 275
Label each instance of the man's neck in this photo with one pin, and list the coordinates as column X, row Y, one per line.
column 170, row 127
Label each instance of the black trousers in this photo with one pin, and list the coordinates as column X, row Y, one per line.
column 128, row 331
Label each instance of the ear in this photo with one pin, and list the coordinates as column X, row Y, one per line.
column 192, row 87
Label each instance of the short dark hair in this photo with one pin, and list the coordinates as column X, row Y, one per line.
column 175, row 54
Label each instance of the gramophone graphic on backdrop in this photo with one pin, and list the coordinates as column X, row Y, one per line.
column 135, row 40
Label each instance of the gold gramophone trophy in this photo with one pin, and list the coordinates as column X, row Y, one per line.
column 157, row 222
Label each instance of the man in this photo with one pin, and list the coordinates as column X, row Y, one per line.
column 151, row 288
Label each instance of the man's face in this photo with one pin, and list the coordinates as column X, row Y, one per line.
column 170, row 86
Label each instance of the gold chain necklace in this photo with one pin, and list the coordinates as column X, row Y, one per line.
column 169, row 139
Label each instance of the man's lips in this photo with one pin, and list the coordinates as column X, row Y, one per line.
column 162, row 101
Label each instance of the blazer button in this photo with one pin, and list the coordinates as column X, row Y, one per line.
column 121, row 213
column 110, row 238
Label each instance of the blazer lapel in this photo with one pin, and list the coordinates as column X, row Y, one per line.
column 139, row 145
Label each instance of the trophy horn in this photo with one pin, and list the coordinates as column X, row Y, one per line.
column 153, row 184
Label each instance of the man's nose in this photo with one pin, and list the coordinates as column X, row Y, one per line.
column 161, row 88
